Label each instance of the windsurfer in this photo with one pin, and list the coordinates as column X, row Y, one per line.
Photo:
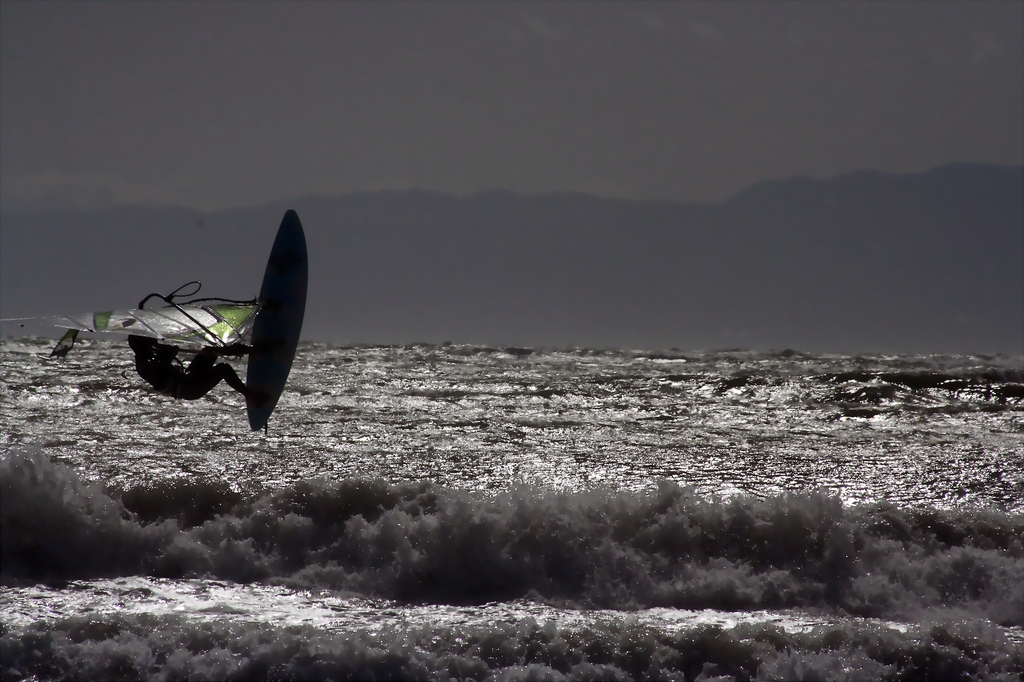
column 158, row 364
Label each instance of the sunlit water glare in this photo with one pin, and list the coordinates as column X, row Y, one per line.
column 460, row 492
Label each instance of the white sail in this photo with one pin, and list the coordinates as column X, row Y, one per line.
column 221, row 324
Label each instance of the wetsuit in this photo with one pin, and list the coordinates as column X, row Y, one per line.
column 157, row 363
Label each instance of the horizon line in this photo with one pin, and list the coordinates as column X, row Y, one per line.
column 32, row 210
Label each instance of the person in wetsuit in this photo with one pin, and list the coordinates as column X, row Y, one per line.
column 158, row 364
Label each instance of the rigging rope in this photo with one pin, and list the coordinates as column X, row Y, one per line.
column 169, row 298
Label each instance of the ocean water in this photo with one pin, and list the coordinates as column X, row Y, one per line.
column 437, row 512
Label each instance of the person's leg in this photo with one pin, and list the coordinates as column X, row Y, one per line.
column 204, row 372
column 200, row 377
column 227, row 373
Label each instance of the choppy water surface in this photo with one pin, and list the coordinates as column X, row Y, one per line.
column 459, row 511
column 924, row 431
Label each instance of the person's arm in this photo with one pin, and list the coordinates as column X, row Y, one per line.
column 234, row 350
column 167, row 350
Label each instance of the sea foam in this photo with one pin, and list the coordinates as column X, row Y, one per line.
column 424, row 543
column 173, row 647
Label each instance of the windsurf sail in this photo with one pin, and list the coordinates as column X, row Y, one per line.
column 219, row 324
column 65, row 343
column 207, row 321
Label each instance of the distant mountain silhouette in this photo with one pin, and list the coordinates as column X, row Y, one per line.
column 869, row 261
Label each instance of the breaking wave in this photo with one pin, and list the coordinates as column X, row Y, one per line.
column 422, row 543
column 171, row 647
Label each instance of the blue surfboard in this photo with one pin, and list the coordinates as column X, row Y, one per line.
column 275, row 334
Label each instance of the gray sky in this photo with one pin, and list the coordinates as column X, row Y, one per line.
column 231, row 103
